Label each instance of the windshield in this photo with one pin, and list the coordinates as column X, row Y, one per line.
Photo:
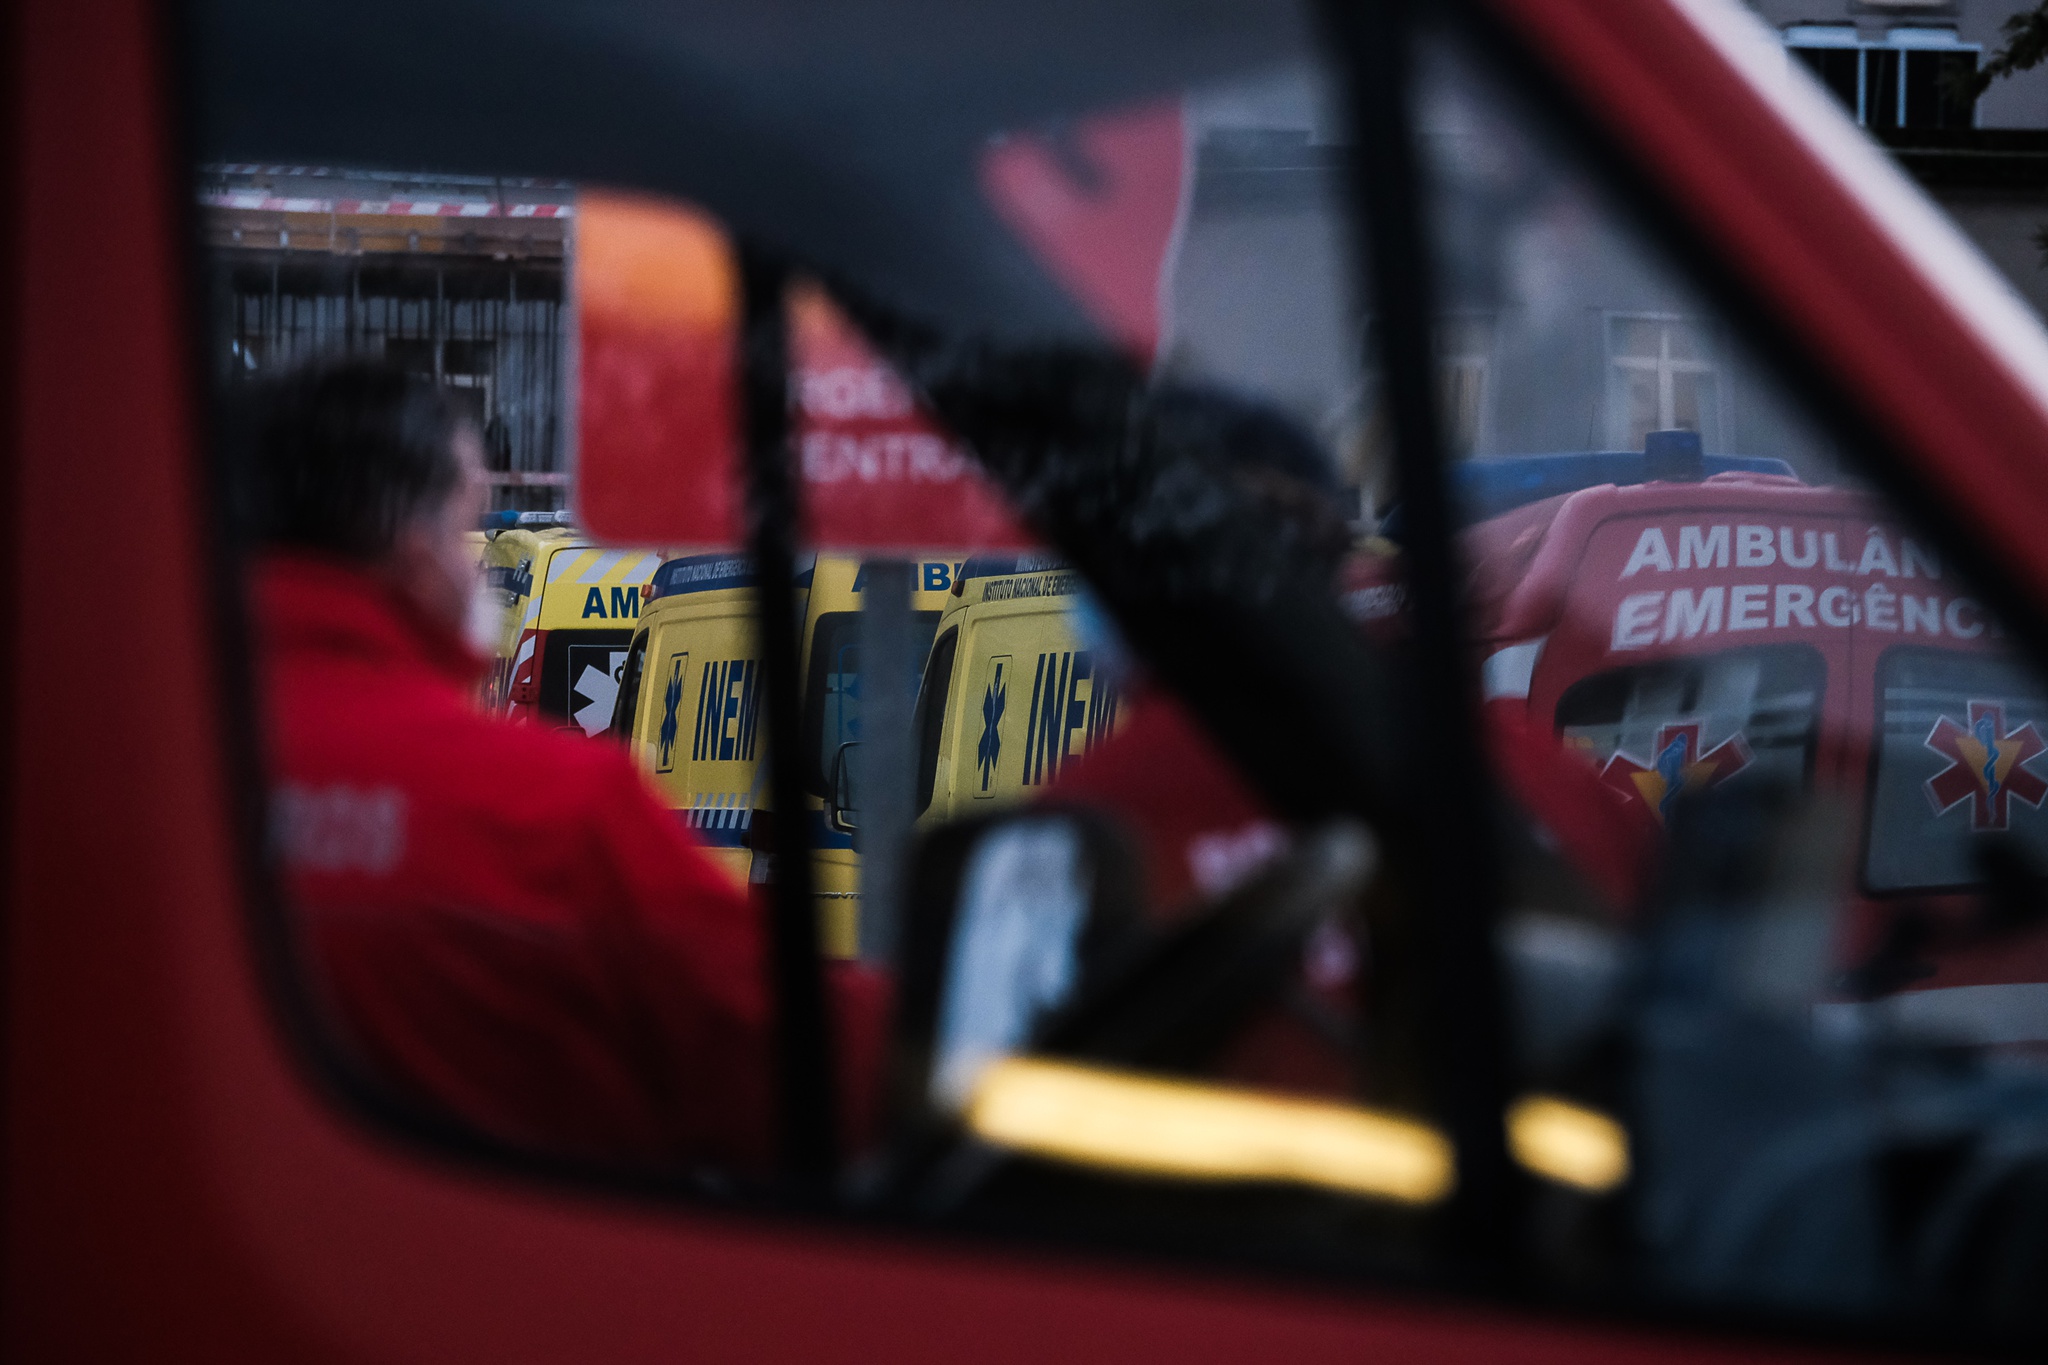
column 928, row 718
column 832, row 699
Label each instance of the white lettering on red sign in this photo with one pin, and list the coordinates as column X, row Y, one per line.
column 1757, row 547
column 1649, row 618
column 849, row 393
column 881, row 457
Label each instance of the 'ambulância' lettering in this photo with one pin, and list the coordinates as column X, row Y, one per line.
column 1744, row 546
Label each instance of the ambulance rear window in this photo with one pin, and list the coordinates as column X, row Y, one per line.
column 1662, row 730
column 627, row 705
column 579, row 676
column 929, row 718
column 1961, row 763
column 832, row 691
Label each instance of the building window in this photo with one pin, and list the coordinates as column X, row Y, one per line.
column 1464, row 350
column 1661, row 376
column 1908, row 80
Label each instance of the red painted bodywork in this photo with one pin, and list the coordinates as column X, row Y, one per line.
column 1569, row 570
column 175, row 1188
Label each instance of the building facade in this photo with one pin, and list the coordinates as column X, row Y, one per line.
column 463, row 278
column 458, row 278
column 1986, row 161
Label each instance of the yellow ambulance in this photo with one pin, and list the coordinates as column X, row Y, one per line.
column 832, row 710
column 571, row 606
column 690, row 702
column 1011, row 690
column 507, row 556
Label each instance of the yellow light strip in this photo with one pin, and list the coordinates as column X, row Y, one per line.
column 1123, row 1120
column 1130, row 1122
column 1568, row 1143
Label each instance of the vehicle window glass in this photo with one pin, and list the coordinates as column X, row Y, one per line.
column 627, row 709
column 1954, row 768
column 1125, row 359
column 832, row 698
column 931, row 710
column 1658, row 731
column 1775, row 901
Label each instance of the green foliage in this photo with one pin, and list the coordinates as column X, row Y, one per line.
column 2025, row 47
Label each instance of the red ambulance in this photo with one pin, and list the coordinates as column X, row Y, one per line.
column 1686, row 624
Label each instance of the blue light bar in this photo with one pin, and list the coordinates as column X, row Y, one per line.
column 1485, row 488
column 531, row 521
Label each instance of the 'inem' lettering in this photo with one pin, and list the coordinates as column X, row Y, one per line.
column 1070, row 702
column 728, row 712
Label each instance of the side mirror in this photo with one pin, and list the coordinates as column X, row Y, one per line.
column 1008, row 918
column 844, row 805
column 1026, row 933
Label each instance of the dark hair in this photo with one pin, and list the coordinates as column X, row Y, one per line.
column 336, row 457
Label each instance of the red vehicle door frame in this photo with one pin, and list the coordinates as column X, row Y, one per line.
column 174, row 1184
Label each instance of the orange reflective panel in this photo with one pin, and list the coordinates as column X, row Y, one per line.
column 656, row 289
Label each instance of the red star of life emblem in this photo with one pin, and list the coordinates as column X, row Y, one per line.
column 1675, row 767
column 1986, row 766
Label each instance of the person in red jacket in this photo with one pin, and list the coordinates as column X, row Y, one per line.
column 502, row 930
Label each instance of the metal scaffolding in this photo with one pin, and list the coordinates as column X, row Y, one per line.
column 474, row 302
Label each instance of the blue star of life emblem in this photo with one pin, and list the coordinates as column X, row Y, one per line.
column 991, row 747
column 671, row 698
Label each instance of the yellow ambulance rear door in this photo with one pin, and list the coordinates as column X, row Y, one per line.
column 1011, row 694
